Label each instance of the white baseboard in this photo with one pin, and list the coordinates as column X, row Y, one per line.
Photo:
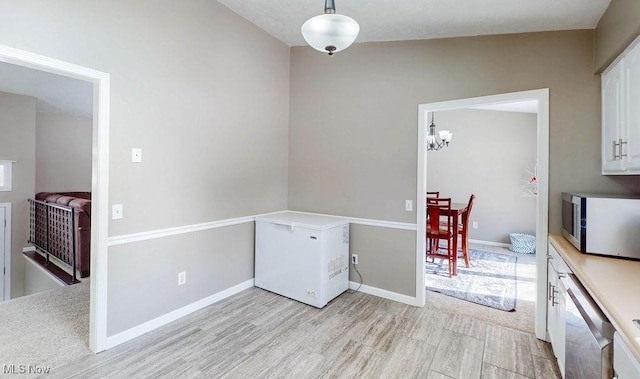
column 489, row 243
column 157, row 322
column 385, row 294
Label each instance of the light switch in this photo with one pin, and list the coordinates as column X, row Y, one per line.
column 116, row 211
column 136, row 155
column 408, row 205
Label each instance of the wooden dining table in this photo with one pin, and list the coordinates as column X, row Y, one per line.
column 458, row 214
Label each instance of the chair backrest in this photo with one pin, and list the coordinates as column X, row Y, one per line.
column 433, row 193
column 437, row 207
column 469, row 206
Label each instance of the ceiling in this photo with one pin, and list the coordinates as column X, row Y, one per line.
column 55, row 93
column 395, row 20
column 380, row 20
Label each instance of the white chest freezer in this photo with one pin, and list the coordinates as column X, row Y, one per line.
column 303, row 257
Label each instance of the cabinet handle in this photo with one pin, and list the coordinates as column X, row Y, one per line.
column 615, row 145
column 622, row 143
column 551, row 291
column 555, row 292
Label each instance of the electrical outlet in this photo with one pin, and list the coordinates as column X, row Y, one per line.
column 182, row 278
column 475, row 225
column 354, row 259
column 311, row 293
column 408, row 205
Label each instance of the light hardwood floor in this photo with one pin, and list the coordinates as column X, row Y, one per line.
column 257, row 334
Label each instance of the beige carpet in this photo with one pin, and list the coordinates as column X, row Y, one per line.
column 46, row 329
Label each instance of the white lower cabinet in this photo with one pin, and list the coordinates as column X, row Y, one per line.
column 556, row 306
column 625, row 365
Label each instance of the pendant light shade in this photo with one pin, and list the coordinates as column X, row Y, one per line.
column 330, row 32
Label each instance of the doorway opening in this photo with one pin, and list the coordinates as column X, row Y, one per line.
column 541, row 99
column 99, row 176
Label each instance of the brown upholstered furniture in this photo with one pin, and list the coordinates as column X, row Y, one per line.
column 80, row 202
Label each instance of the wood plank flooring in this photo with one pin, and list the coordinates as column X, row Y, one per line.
column 257, row 334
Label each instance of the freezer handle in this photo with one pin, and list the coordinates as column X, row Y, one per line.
column 290, row 225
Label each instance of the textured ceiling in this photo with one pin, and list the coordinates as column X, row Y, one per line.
column 395, row 20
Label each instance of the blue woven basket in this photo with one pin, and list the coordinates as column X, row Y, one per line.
column 522, row 243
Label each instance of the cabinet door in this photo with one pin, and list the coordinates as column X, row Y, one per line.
column 625, row 364
column 612, row 119
column 631, row 108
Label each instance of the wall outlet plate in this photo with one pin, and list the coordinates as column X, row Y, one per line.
column 354, row 259
column 182, row 278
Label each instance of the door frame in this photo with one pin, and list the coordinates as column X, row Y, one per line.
column 542, row 205
column 7, row 252
column 99, row 177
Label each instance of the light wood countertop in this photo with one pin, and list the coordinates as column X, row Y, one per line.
column 613, row 283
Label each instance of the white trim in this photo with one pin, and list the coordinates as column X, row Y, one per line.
column 157, row 322
column 100, row 177
column 160, row 233
column 27, row 249
column 490, row 243
column 384, row 293
column 369, row 222
column 383, row 224
column 7, row 252
column 542, row 207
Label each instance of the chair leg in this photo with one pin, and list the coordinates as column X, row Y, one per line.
column 450, row 256
column 465, row 248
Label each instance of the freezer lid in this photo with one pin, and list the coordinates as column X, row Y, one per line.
column 303, row 220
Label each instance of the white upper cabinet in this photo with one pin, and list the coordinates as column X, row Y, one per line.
column 632, row 107
column 621, row 115
column 611, row 119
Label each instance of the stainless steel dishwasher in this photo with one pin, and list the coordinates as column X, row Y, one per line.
column 589, row 335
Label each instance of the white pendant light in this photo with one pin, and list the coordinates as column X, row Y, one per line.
column 330, row 32
column 433, row 142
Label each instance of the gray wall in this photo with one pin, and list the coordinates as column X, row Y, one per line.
column 618, row 27
column 353, row 126
column 490, row 156
column 35, row 278
column 205, row 94
column 144, row 284
column 63, row 153
column 18, row 143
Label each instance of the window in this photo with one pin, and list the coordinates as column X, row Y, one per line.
column 5, row 175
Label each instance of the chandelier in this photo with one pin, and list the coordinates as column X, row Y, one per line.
column 330, row 32
column 437, row 141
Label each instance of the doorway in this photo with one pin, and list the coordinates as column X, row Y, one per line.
column 541, row 97
column 100, row 177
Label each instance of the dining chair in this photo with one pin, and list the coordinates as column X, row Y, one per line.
column 433, row 193
column 440, row 227
column 463, row 230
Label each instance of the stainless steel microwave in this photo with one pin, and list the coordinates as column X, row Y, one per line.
column 602, row 224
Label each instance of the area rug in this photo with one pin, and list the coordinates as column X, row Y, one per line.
column 489, row 280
